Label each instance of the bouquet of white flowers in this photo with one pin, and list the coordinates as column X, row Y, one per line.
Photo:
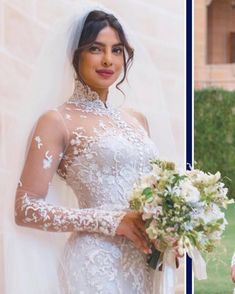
column 182, row 209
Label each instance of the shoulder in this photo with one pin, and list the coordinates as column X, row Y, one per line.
column 139, row 116
column 51, row 124
column 52, row 119
column 51, row 116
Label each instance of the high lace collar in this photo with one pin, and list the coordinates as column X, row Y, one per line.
column 83, row 94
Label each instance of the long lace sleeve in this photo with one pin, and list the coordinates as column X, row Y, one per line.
column 31, row 209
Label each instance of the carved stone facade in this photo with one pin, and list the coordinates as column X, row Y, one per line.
column 214, row 44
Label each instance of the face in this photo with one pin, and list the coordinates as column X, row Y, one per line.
column 101, row 64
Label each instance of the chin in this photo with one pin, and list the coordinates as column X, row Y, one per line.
column 100, row 82
column 105, row 84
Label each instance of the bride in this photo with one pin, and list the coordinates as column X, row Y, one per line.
column 100, row 151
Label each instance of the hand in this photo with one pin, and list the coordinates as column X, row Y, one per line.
column 162, row 247
column 232, row 273
column 132, row 227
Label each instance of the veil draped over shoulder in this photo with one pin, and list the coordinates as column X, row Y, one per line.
column 30, row 258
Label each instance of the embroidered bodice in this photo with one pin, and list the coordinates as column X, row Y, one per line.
column 100, row 151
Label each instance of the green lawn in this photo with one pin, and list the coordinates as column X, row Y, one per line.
column 218, row 268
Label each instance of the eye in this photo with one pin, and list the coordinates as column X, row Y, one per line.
column 94, row 49
column 118, row 50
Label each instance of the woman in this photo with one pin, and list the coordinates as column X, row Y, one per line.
column 88, row 144
column 100, row 152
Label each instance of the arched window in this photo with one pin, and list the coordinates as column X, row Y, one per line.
column 221, row 32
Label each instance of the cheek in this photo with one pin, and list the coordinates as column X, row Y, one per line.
column 87, row 62
column 92, row 61
column 119, row 64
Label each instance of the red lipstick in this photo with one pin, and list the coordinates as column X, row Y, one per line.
column 105, row 73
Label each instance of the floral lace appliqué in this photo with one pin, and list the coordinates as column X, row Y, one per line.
column 47, row 161
column 39, row 141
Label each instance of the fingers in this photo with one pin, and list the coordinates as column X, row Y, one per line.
column 132, row 227
column 156, row 244
column 178, row 254
column 159, row 245
column 138, row 240
column 233, row 273
column 143, row 240
column 140, row 225
column 233, row 277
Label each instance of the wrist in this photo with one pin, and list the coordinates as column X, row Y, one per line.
column 118, row 228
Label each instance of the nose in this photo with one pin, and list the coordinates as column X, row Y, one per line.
column 107, row 58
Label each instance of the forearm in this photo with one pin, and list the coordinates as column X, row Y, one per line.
column 37, row 213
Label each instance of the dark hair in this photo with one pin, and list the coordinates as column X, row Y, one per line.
column 94, row 23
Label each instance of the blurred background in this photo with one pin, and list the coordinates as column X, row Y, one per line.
column 214, row 44
column 160, row 25
column 214, row 125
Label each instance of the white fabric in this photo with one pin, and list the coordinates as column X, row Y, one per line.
column 198, row 263
column 233, row 259
column 165, row 280
column 107, row 150
column 25, row 250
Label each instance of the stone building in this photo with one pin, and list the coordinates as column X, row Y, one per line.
column 24, row 26
column 214, row 44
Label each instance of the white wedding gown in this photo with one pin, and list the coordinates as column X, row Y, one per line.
column 100, row 152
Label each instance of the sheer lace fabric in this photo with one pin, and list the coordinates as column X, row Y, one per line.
column 100, row 152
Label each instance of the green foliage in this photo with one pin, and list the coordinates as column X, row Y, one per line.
column 148, row 193
column 168, row 165
column 214, row 131
column 135, row 204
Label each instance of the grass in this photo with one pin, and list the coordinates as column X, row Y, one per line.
column 218, row 266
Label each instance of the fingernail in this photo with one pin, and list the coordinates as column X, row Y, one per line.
column 150, row 251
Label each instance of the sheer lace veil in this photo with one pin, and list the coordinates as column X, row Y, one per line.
column 29, row 258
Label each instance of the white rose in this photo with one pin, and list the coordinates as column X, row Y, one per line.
column 212, row 213
column 215, row 235
column 213, row 179
column 147, row 181
column 199, row 177
column 156, row 170
column 189, row 192
column 151, row 211
column 209, row 179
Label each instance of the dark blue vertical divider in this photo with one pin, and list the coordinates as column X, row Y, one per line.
column 189, row 105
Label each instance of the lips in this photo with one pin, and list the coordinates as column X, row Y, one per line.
column 106, row 73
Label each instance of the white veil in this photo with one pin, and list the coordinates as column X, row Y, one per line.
column 29, row 258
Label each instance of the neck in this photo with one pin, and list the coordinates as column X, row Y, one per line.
column 90, row 93
column 103, row 94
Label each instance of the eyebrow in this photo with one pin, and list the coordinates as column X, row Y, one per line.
column 103, row 45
